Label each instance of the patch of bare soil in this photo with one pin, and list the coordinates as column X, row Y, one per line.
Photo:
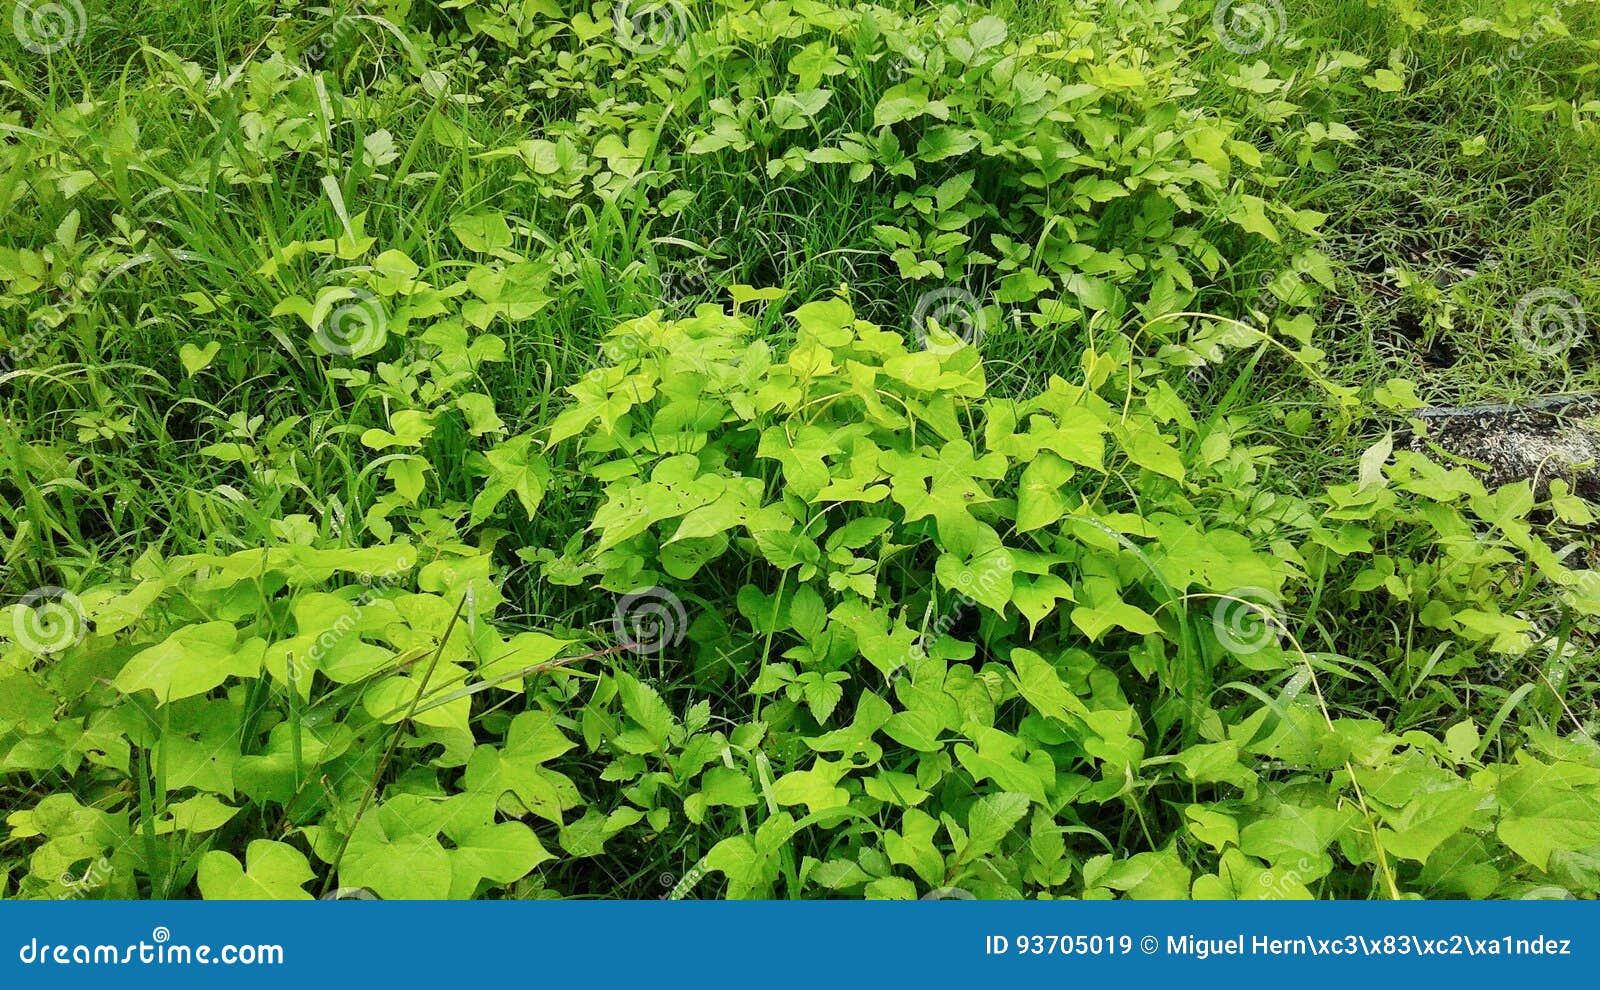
column 1537, row 441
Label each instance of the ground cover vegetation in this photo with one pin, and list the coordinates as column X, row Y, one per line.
column 538, row 448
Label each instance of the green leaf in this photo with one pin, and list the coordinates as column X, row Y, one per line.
column 485, row 232
column 411, row 427
column 1241, row 878
column 988, row 32
column 1370, row 469
column 197, row 359
column 1427, row 821
column 522, row 651
column 276, row 871
column 736, row 857
column 914, row 846
column 1251, row 215
column 1041, row 685
column 1157, row 875
column 726, row 787
column 1040, row 499
column 202, row 813
column 822, row 697
column 1037, row 598
column 1385, row 81
column 511, row 468
column 1548, row 809
column 815, row 788
column 791, row 111
column 1096, row 620
column 478, row 409
column 906, row 101
column 991, row 819
column 891, row 889
column 645, row 707
column 406, row 867
column 501, row 853
column 191, row 661
column 1216, row 762
column 1295, row 838
column 1078, row 436
column 518, row 768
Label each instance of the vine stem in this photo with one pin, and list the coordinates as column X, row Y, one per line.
column 394, row 744
column 1322, row 706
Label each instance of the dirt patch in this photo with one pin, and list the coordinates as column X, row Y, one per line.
column 1537, row 441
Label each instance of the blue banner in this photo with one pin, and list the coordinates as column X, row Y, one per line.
column 838, row 943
